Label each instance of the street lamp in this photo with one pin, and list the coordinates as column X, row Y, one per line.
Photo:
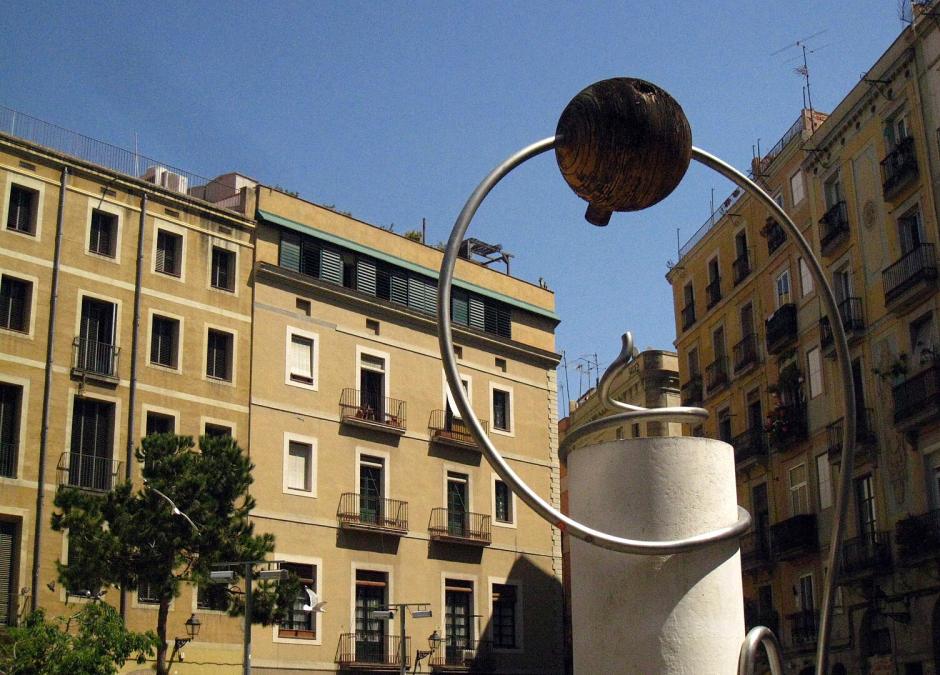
column 422, row 611
column 193, row 624
column 434, row 641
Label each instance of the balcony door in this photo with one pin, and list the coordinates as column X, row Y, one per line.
column 747, row 320
column 90, row 460
column 96, row 336
column 842, row 285
column 452, row 420
column 865, row 505
column 457, row 504
column 458, row 618
column 370, row 633
column 761, row 508
column 371, row 482
column 909, row 231
column 372, row 387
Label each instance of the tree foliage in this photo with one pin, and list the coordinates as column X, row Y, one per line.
column 131, row 537
column 100, row 645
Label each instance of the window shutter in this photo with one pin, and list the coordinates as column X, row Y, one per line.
column 477, row 315
column 331, row 266
column 290, row 251
column 310, row 258
column 298, row 456
column 6, row 572
column 459, row 308
column 9, row 413
column 421, row 295
column 503, row 321
column 399, row 288
column 13, row 303
column 365, row 276
column 300, row 359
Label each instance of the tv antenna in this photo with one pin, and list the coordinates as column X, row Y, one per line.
column 803, row 70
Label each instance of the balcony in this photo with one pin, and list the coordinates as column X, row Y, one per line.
column 865, row 556
column 458, row 654
column 865, row 439
column 716, row 375
column 461, row 527
column 917, row 399
column 8, row 453
column 918, row 537
column 740, row 268
column 372, row 651
column 88, row 472
column 781, row 328
column 372, row 514
column 786, row 426
column 774, row 234
column 446, row 429
column 756, row 553
column 95, row 360
column 833, row 228
column 713, row 292
column 690, row 393
column 750, row 447
column 804, row 627
column 794, row 537
column 899, row 168
column 911, row 279
column 745, row 353
column 754, row 617
column 365, row 409
column 688, row 316
column 850, row 311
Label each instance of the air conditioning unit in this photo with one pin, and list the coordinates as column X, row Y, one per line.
column 159, row 175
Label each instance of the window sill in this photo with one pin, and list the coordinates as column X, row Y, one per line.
column 309, row 494
column 220, row 381
column 166, row 369
column 230, row 291
column 103, row 257
column 23, row 233
column 503, row 432
column 508, row 524
column 301, row 383
column 13, row 332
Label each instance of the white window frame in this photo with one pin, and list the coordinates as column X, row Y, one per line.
column 360, row 350
column 461, row 469
column 30, row 333
column 100, row 204
column 458, row 576
column 317, row 564
column 233, row 357
column 807, row 285
column 797, row 489
column 512, row 522
column 168, row 412
column 311, row 466
column 520, row 632
column 111, row 300
column 231, row 247
column 782, row 299
column 115, row 433
column 179, row 341
column 32, row 184
column 314, row 359
column 203, row 421
column 448, row 398
column 386, row 458
column 798, row 175
column 511, row 432
column 389, row 572
column 824, row 481
column 814, row 373
column 158, row 225
column 799, row 593
column 23, row 383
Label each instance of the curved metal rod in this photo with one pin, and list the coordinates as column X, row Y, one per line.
column 505, row 472
column 626, row 356
column 848, row 388
column 755, row 638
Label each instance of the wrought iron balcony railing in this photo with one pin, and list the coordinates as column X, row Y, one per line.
column 750, row 445
column 8, row 453
column 459, row 526
column 781, row 328
column 769, row 618
column 371, row 512
column 864, row 434
column 918, row 396
column 850, row 311
column 794, row 536
column 367, row 408
column 745, row 352
column 740, row 268
column 372, row 651
column 899, row 168
column 833, row 227
column 88, row 472
column 444, row 427
column 690, row 393
column 865, row 555
column 458, row 653
column 688, row 316
column 716, row 375
column 713, row 292
column 917, row 265
column 918, row 537
column 94, row 358
column 804, row 628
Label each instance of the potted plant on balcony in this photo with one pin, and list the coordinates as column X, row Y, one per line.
column 895, row 371
column 785, row 420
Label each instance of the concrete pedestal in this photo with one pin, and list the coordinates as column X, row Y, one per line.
column 681, row 614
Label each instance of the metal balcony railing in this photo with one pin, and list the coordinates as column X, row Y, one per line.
column 769, row 618
column 688, row 316
column 918, row 394
column 774, row 234
column 372, row 651
column 716, row 375
column 459, row 526
column 370, row 512
column 372, row 409
column 745, row 353
column 88, row 472
column 804, row 627
column 713, row 292
column 794, row 536
column 756, row 550
column 740, row 268
column 850, row 311
column 445, row 428
column 899, row 168
column 918, row 264
column 690, row 393
column 918, row 537
column 458, row 653
column 95, row 358
column 752, row 444
column 833, row 227
column 781, row 328
column 864, row 433
column 866, row 554
column 8, row 453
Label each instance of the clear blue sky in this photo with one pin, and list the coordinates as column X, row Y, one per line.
column 394, row 111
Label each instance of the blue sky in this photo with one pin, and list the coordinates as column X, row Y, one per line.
column 395, row 111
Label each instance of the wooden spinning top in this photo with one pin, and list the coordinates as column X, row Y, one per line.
column 622, row 144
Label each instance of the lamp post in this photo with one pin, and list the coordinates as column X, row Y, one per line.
column 422, row 611
column 434, row 641
column 193, row 624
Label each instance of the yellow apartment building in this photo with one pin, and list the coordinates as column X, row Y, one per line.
column 861, row 186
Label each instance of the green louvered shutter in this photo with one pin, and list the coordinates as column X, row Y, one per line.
column 310, row 258
column 421, row 295
column 365, row 276
column 399, row 287
column 459, row 308
column 331, row 266
column 290, row 251
column 477, row 313
column 6, row 573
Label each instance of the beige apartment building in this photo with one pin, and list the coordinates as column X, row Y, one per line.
column 861, row 186
column 310, row 337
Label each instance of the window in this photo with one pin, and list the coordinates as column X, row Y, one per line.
column 223, row 269
column 372, row 386
column 96, row 351
column 814, row 368
column 503, row 511
column 11, row 397
column 779, row 199
column 299, row 459
column 799, row 501
column 910, row 230
column 8, row 572
column 505, row 616
column 217, row 431
column 797, row 190
column 219, row 355
column 865, row 501
column 15, row 301
column 298, row 623
column 147, row 593
column 806, row 600
column 806, row 278
column 458, row 616
column 824, row 479
column 164, row 341
column 502, row 410
column 783, row 288
column 21, row 216
column 213, row 598
column 371, row 594
column 833, row 191
column 301, row 359
column 102, row 235
column 724, row 425
column 160, row 423
column 90, row 464
column 169, row 253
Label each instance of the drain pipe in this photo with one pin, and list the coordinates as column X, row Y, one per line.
column 47, row 392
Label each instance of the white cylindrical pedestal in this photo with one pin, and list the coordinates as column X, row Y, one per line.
column 681, row 614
